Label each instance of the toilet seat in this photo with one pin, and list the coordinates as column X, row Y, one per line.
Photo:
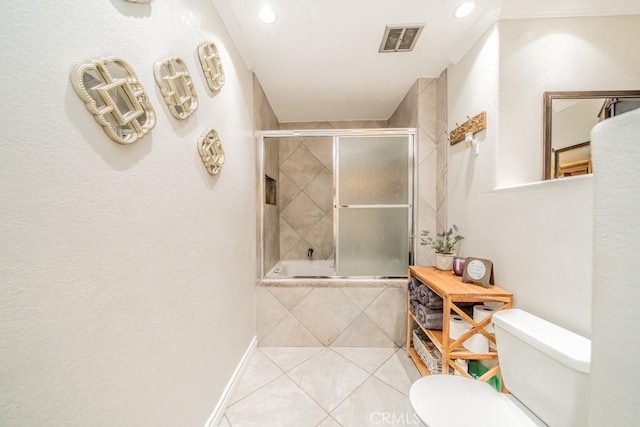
column 454, row 401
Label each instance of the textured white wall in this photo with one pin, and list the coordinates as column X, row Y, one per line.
column 539, row 235
column 540, row 55
column 616, row 153
column 128, row 272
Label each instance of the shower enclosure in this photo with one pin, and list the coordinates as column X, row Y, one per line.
column 336, row 203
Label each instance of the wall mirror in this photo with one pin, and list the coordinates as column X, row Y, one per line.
column 176, row 86
column 112, row 92
column 568, row 119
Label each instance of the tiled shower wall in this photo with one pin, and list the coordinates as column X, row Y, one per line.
column 306, row 190
column 265, row 119
column 424, row 107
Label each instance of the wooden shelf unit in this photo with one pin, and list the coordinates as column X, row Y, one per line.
column 453, row 291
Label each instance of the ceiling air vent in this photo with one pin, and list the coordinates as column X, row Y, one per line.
column 400, row 38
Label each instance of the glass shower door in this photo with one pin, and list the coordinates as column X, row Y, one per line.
column 373, row 205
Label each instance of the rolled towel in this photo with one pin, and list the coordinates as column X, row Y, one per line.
column 428, row 298
column 431, row 319
column 414, row 305
column 412, row 287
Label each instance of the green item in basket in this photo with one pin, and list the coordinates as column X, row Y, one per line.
column 477, row 369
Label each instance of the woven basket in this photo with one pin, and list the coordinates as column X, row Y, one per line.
column 428, row 352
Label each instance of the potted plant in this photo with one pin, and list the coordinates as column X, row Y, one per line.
column 444, row 246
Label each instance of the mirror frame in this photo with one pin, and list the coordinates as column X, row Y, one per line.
column 548, row 113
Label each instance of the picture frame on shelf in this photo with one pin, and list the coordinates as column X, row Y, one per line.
column 478, row 271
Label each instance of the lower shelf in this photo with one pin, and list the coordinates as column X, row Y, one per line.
column 422, row 368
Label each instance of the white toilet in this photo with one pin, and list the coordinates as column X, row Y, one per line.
column 545, row 368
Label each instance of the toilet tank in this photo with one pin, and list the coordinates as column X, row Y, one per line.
column 544, row 366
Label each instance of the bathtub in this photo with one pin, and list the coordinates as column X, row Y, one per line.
column 306, row 268
column 320, row 273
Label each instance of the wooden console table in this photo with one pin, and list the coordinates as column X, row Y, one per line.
column 453, row 291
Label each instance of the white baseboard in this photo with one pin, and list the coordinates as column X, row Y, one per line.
column 221, row 407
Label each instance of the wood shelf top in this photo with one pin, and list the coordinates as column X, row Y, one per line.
column 445, row 283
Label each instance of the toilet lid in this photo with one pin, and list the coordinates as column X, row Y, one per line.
column 454, row 401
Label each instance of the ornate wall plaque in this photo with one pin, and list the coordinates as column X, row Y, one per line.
column 176, row 86
column 211, row 66
column 112, row 92
column 210, row 149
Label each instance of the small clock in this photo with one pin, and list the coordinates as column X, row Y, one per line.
column 478, row 271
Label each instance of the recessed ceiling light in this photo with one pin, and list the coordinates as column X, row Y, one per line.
column 267, row 15
column 465, row 9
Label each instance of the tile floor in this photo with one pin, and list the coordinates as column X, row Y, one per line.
column 324, row 387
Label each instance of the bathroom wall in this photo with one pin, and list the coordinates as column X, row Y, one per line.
column 424, row 108
column 615, row 392
column 539, row 55
column 128, row 285
column 538, row 235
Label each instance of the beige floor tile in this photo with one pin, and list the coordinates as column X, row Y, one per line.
column 259, row 372
column 368, row 358
column 399, row 372
column 329, row 422
column 375, row 403
column 279, row 404
column 288, row 358
column 328, row 378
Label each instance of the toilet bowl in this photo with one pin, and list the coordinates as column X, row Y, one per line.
column 545, row 367
column 454, row 401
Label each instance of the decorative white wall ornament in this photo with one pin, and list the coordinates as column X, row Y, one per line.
column 211, row 66
column 210, row 149
column 176, row 86
column 112, row 92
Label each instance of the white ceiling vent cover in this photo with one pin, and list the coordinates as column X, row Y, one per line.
column 400, row 38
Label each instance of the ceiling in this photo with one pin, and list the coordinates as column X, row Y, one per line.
column 319, row 60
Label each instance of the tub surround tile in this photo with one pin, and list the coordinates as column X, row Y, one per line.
column 302, row 213
column 392, row 322
column 426, row 145
column 289, row 333
column 374, row 398
column 320, row 238
column 363, row 332
column 320, row 190
column 224, row 422
column 399, row 372
column 259, row 372
column 301, row 167
column 321, row 147
column 427, row 173
column 287, row 191
column 290, row 297
column 286, row 147
column 280, row 403
column 269, row 311
column 326, row 313
column 328, row 378
column 369, row 359
column 288, row 358
column 289, row 237
column 362, row 297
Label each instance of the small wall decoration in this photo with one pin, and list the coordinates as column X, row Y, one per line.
column 478, row 271
column 112, row 92
column 210, row 149
column 474, row 125
column 176, row 86
column 211, row 66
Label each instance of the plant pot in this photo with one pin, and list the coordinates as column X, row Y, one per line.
column 444, row 262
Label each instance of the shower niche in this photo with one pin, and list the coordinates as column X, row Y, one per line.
column 346, row 197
